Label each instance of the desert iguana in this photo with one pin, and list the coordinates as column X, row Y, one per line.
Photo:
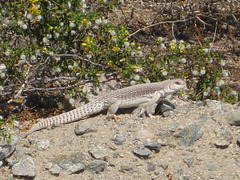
column 133, row 96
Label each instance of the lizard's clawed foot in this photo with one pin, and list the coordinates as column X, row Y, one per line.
column 114, row 117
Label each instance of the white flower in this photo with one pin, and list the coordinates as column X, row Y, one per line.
column 138, row 70
column 210, row 60
column 164, row 73
column 160, row 39
column 89, row 56
column 112, row 32
column 72, row 24
column 105, row 21
column 51, row 53
column 57, row 58
column 126, row 44
column 3, row 68
column 132, row 83
column 222, row 63
column 234, row 93
column 20, row 23
column 203, row 71
column 2, row 75
column 39, row 17
column 29, row 16
column 24, row 26
column 23, row 56
column 8, row 53
column 225, row 74
column 220, row 83
column 58, row 69
column 49, row 36
column 1, row 118
column 45, row 40
column 195, row 73
column 70, row 67
column 98, row 21
column 69, row 5
column 88, row 24
column 205, row 50
column 137, row 77
column 96, row 27
column 205, row 93
column 56, row 35
column 33, row 57
column 162, row 46
column 73, row 32
column 183, row 60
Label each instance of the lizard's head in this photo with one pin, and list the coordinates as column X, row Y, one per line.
column 178, row 84
column 175, row 85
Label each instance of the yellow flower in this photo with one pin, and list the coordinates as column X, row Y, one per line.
column 34, row 10
column 84, row 44
column 173, row 46
column 115, row 49
column 33, row 1
column 110, row 63
column 85, row 22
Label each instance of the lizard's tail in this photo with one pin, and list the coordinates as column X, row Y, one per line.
column 68, row 117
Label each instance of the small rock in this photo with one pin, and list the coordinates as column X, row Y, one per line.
column 223, row 137
column 173, row 128
column 238, row 141
column 164, row 106
column 69, row 165
column 151, row 167
column 84, row 127
column 203, row 117
column 186, row 177
column 141, row 152
column 211, row 166
column 24, row 168
column 164, row 165
column 96, row 166
column 233, row 119
column 119, row 138
column 189, row 134
column 55, row 170
column 126, row 168
column 6, row 149
column 98, row 153
column 188, row 161
column 42, row 144
column 152, row 146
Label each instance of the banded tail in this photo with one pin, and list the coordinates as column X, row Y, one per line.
column 70, row 116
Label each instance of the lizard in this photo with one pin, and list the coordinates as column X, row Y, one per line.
column 132, row 96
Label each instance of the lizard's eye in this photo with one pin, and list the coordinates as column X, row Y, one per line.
column 177, row 82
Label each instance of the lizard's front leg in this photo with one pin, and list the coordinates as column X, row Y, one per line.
column 113, row 109
column 152, row 104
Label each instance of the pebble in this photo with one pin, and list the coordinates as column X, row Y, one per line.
column 223, row 137
column 96, row 166
column 24, row 168
column 69, row 165
column 84, row 127
column 233, row 119
column 211, row 166
column 152, row 146
column 119, row 138
column 42, row 144
column 238, row 141
column 188, row 161
column 126, row 168
column 98, row 153
column 164, row 106
column 189, row 134
column 203, row 117
column 141, row 152
column 6, row 149
column 150, row 167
